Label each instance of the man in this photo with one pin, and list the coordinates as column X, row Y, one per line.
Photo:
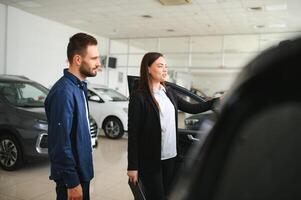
column 69, row 139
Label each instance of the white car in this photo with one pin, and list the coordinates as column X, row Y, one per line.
column 109, row 108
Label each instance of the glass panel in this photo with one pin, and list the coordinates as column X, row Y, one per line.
column 118, row 46
column 143, row 45
column 176, row 60
column 206, row 44
column 134, row 71
column 180, row 44
column 206, row 60
column 187, row 98
column 238, row 59
column 269, row 40
column 121, row 60
column 241, row 43
column 135, row 60
column 109, row 94
column 24, row 94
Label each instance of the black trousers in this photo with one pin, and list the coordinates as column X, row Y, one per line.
column 61, row 190
column 157, row 184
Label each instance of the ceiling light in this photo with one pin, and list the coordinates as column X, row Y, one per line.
column 260, row 26
column 174, row 2
column 279, row 25
column 278, row 7
column 256, row 8
column 147, row 16
column 170, row 30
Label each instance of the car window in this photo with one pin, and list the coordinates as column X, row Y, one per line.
column 186, row 97
column 110, row 94
column 185, row 93
column 91, row 93
column 23, row 94
column 133, row 82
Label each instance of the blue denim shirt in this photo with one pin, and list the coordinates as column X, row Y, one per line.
column 69, row 139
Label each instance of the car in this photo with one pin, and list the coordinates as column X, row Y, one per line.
column 109, row 108
column 194, row 122
column 200, row 93
column 23, row 122
column 253, row 151
column 219, row 93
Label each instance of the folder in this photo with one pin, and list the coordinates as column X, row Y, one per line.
column 137, row 190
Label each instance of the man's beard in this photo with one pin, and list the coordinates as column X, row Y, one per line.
column 84, row 71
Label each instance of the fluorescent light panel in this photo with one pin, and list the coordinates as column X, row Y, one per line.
column 276, row 7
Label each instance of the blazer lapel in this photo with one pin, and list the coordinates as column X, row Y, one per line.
column 149, row 98
column 171, row 97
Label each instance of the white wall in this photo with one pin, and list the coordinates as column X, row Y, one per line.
column 213, row 82
column 36, row 47
column 2, row 38
column 212, row 61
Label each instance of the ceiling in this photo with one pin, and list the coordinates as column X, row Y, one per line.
column 123, row 18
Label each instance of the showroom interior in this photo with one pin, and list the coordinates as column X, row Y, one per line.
column 206, row 43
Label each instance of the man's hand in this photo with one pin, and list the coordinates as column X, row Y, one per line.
column 133, row 176
column 75, row 193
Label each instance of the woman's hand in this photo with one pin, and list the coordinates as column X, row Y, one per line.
column 133, row 176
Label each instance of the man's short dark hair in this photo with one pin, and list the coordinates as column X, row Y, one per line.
column 78, row 44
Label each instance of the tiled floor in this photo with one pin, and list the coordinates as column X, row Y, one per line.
column 110, row 182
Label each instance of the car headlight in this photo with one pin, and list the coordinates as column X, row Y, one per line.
column 41, row 125
column 191, row 121
column 125, row 110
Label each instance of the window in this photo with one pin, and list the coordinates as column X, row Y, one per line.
column 23, row 94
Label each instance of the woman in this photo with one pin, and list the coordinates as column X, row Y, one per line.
column 152, row 128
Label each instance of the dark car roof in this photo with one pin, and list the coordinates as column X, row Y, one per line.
column 133, row 82
column 6, row 77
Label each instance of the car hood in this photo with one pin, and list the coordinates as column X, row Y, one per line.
column 35, row 112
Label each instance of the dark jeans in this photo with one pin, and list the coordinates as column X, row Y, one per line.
column 61, row 190
column 157, row 184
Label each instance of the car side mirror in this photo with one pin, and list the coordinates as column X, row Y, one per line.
column 95, row 98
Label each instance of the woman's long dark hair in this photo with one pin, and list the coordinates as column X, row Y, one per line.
column 145, row 79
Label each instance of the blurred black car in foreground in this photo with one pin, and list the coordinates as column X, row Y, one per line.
column 253, row 151
column 23, row 122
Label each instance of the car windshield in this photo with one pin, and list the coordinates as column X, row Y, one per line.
column 110, row 95
column 23, row 94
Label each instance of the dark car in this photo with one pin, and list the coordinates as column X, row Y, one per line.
column 253, row 151
column 23, row 123
column 195, row 122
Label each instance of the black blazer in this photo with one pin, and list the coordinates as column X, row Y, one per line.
column 144, row 128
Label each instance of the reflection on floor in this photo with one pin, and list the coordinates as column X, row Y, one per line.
column 110, row 182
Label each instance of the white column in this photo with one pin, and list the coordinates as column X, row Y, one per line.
column 3, row 38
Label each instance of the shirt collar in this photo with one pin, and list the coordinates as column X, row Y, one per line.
column 75, row 80
column 161, row 89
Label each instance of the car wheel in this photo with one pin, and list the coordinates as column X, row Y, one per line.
column 10, row 153
column 113, row 128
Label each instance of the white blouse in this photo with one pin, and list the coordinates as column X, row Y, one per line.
column 168, row 124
